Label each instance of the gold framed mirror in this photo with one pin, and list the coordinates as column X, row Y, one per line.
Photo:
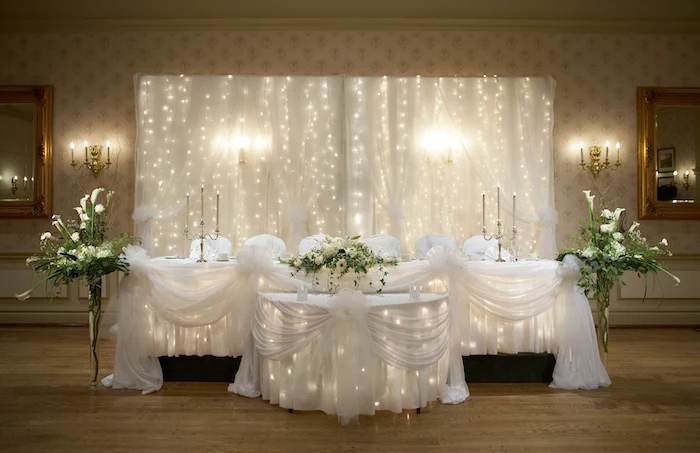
column 669, row 152
column 26, row 120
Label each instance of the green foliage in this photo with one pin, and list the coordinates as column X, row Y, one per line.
column 80, row 250
column 608, row 250
column 341, row 256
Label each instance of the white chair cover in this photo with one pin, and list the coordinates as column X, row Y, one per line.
column 309, row 242
column 384, row 245
column 477, row 246
column 425, row 243
column 273, row 244
column 212, row 248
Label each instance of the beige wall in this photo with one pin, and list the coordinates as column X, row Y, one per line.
column 595, row 100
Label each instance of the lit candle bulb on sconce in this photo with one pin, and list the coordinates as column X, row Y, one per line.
column 607, row 146
column 93, row 157
column 597, row 164
column 686, row 180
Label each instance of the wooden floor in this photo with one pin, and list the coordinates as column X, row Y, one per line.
column 46, row 405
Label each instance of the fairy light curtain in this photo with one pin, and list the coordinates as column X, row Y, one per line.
column 429, row 147
column 293, row 156
column 270, row 146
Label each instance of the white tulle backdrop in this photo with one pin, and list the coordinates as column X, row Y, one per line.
column 293, row 156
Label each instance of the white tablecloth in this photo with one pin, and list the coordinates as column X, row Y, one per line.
column 170, row 307
column 351, row 354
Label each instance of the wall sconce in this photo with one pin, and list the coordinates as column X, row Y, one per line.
column 93, row 158
column 242, row 143
column 14, row 184
column 440, row 158
column 438, row 146
column 686, row 180
column 596, row 165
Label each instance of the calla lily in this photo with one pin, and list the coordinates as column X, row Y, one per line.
column 95, row 193
column 664, row 242
column 25, row 295
column 83, row 202
column 617, row 213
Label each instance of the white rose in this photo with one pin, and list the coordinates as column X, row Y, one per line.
column 664, row 242
column 297, row 263
column 99, row 209
column 618, row 236
column 95, row 193
column 75, row 236
column 607, row 214
column 589, row 252
column 45, row 236
column 318, row 260
column 617, row 250
column 607, row 228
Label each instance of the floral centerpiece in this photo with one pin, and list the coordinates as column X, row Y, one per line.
column 82, row 251
column 608, row 250
column 339, row 257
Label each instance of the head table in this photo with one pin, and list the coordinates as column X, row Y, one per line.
column 352, row 352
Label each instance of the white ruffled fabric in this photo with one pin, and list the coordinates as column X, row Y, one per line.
column 351, row 354
column 171, row 307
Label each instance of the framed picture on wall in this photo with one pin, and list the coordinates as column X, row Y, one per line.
column 666, row 160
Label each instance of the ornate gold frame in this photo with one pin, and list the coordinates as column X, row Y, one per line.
column 649, row 207
column 42, row 97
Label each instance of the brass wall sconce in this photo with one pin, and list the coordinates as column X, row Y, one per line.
column 14, row 184
column 93, row 158
column 596, row 164
column 441, row 159
column 686, row 180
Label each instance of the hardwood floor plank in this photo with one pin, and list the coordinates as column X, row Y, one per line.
column 46, row 404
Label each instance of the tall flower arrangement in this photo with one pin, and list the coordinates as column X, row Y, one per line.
column 607, row 251
column 340, row 256
column 79, row 249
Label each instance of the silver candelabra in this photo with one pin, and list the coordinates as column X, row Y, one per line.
column 201, row 236
column 500, row 234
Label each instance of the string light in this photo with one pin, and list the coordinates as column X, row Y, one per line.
column 240, row 133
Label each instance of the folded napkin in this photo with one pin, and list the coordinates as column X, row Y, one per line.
column 492, row 254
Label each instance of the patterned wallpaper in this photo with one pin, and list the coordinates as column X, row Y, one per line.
column 595, row 98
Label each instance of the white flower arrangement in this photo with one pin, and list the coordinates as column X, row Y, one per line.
column 341, row 256
column 608, row 250
column 81, row 250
